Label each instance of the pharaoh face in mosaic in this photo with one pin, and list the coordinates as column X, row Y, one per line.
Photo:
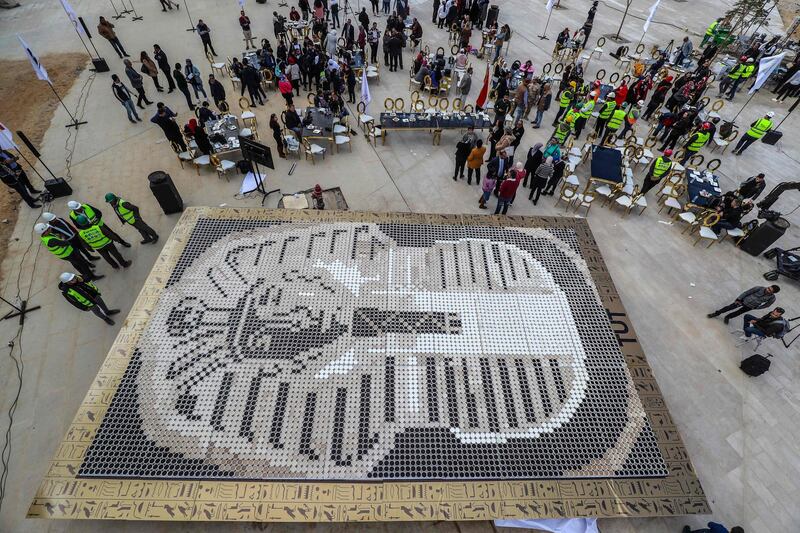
column 312, row 351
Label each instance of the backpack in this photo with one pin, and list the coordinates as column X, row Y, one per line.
column 755, row 365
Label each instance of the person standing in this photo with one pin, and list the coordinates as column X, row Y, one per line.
column 684, row 52
column 304, row 8
column 183, row 85
column 66, row 231
column 249, row 81
column 129, row 214
column 613, row 124
column 334, row 7
column 757, row 130
column 474, row 162
column 508, row 189
column 193, row 77
column 558, row 173
column 463, row 150
column 244, row 23
column 84, row 295
column 165, row 119
column 584, row 113
column 746, row 72
column 61, row 248
column 489, row 183
column 374, row 38
column 137, row 83
column 608, row 108
column 123, row 94
column 435, row 10
column 163, row 63
column 696, row 142
column 94, row 216
column 540, row 178
column 106, row 29
column 12, row 175
column 532, row 162
column 100, row 239
column 754, row 298
column 277, row 134
column 217, row 90
column 205, row 37
column 149, row 67
column 733, row 76
column 661, row 167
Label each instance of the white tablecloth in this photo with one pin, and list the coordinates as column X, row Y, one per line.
column 556, row 525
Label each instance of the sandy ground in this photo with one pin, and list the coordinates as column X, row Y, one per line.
column 789, row 10
column 28, row 105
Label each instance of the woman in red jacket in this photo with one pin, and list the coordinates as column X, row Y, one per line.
column 620, row 93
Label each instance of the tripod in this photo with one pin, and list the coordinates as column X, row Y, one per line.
column 20, row 311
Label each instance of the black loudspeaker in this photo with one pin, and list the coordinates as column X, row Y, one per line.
column 57, row 187
column 100, row 64
column 492, row 15
column 165, row 192
column 763, row 236
column 771, row 137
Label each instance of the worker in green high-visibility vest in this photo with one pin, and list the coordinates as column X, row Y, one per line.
column 732, row 77
column 85, row 295
column 100, row 240
column 59, row 246
column 710, row 31
column 696, row 141
column 93, row 216
column 614, row 123
column 747, row 71
column 660, row 168
column 758, row 129
column 129, row 214
column 565, row 101
column 608, row 107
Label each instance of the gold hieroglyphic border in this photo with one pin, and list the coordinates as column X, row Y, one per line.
column 62, row 495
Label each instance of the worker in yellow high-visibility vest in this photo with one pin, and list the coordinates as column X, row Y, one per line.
column 606, row 110
column 747, row 71
column 129, row 214
column 660, row 169
column 696, row 141
column 585, row 112
column 758, row 129
column 712, row 28
column 733, row 74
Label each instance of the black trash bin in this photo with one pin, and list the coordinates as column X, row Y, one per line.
column 492, row 15
column 763, row 236
column 165, row 192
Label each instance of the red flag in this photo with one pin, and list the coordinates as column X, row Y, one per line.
column 484, row 90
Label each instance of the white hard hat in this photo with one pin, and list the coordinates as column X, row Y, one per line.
column 610, row 95
column 771, row 114
column 640, row 103
column 40, row 228
column 72, row 204
column 66, row 277
column 593, row 93
column 48, row 216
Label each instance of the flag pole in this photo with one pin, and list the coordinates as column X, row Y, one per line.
column 745, row 105
column 191, row 23
column 543, row 36
column 118, row 15
column 75, row 123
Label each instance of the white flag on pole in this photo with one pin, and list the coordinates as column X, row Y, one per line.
column 7, row 139
column 241, row 4
column 41, row 73
column 73, row 17
column 766, row 67
column 365, row 96
column 550, row 4
column 653, row 10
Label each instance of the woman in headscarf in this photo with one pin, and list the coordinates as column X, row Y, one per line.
column 330, row 43
column 659, row 95
column 201, row 138
column 193, row 77
column 149, row 67
column 532, row 162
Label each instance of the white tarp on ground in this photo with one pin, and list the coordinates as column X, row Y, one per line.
column 556, row 525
